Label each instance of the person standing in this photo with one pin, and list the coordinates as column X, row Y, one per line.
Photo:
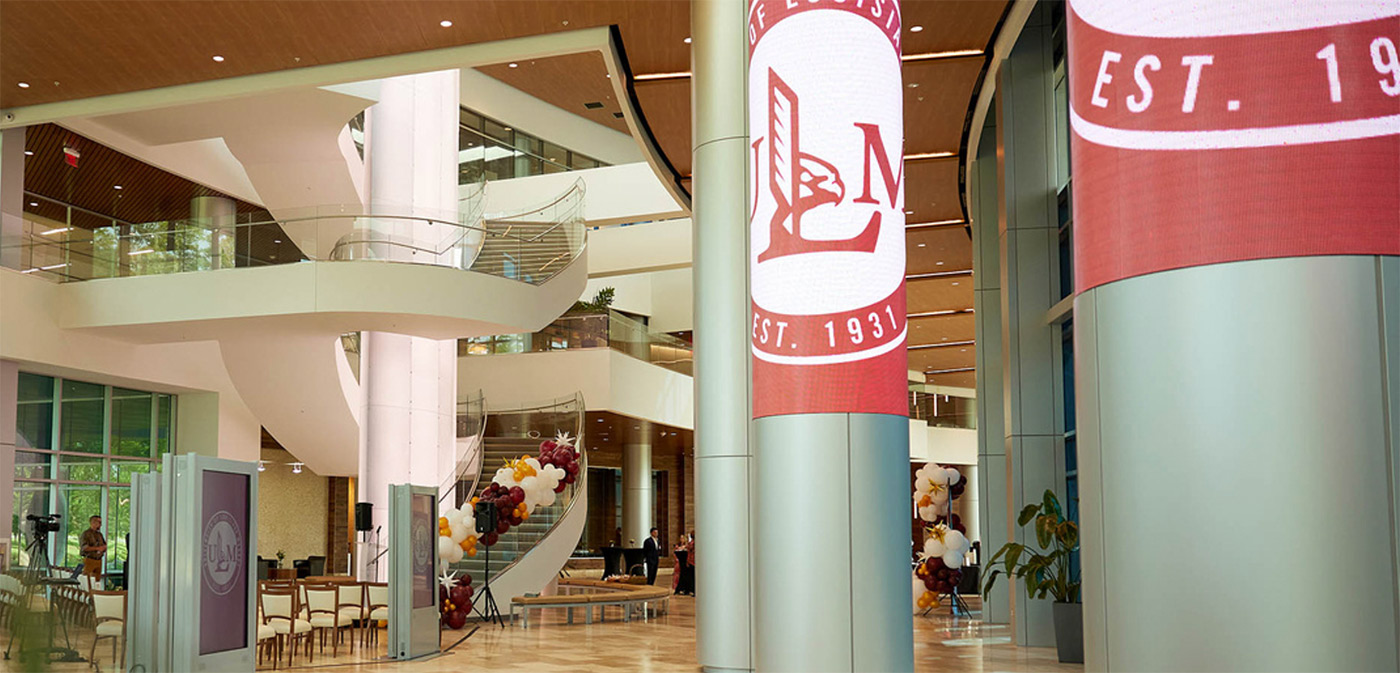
column 92, row 545
column 651, row 549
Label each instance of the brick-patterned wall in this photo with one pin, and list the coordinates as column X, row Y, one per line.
column 340, row 527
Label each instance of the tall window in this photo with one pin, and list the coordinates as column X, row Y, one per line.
column 1065, row 200
column 77, row 446
column 491, row 150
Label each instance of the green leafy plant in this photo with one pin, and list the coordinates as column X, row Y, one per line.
column 600, row 303
column 280, row 556
column 1043, row 573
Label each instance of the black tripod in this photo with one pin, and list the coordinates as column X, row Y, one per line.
column 486, row 603
column 37, row 574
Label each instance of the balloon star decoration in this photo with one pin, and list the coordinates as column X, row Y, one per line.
column 945, row 536
column 517, row 489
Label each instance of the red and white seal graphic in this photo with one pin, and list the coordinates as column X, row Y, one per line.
column 827, row 218
column 1233, row 130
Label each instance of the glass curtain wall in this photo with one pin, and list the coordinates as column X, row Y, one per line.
column 1066, row 272
column 77, row 446
column 490, row 150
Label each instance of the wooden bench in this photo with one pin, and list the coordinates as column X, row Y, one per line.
column 586, row 594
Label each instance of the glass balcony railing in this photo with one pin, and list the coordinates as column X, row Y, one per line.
column 575, row 331
column 531, row 245
column 943, row 411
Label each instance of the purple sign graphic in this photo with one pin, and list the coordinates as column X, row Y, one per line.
column 223, row 562
column 423, row 538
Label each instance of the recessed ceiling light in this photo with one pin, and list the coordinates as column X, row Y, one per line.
column 908, row 212
column 445, row 23
column 33, row 204
column 923, row 245
column 962, row 350
column 687, row 40
column 945, row 338
column 916, row 29
column 276, row 240
column 218, row 59
column 116, row 186
column 515, row 65
column 29, row 153
column 955, row 284
column 913, row 85
column 24, row 85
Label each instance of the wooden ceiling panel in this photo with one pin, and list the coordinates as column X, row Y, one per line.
column 937, row 359
column 666, row 105
column 935, row 249
column 931, row 191
column 936, row 98
column 942, row 329
column 147, row 194
column 939, row 294
column 607, row 431
column 949, row 24
column 570, row 82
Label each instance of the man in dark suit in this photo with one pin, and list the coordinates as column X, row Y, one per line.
column 652, row 549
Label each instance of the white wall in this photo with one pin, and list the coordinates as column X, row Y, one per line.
column 612, row 194
column 211, row 416
column 650, row 246
column 949, row 446
column 665, row 297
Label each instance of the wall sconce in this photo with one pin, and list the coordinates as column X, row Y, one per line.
column 262, row 466
column 296, row 467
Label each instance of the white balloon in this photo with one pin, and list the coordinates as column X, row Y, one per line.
column 940, row 497
column 955, row 540
column 939, row 477
column 549, row 498
column 928, row 513
column 533, row 462
column 953, row 476
column 953, row 559
column 530, row 484
column 444, row 547
column 459, row 531
column 932, row 547
column 455, row 555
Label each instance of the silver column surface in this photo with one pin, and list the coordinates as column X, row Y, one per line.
column 1237, row 427
column 216, row 214
column 724, row 603
column 636, row 494
column 832, row 567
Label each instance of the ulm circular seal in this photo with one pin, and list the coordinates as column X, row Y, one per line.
column 223, row 553
column 422, row 545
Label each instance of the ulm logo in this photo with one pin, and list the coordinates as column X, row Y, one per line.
column 799, row 182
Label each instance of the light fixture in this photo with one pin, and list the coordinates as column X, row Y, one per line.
column 908, row 212
column 687, row 40
column 53, row 231
column 515, row 65
column 913, row 85
column 134, row 253
column 218, row 59
column 24, row 85
column 955, row 283
column 445, row 23
column 262, row 466
column 916, row 29
column 51, row 267
column 925, row 245
column 929, row 155
column 116, row 186
column 939, row 264
column 29, row 153
column 296, row 467
column 33, row 204
column 938, row 55
column 651, row 77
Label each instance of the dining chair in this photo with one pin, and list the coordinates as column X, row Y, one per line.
column 377, row 607
column 323, row 611
column 281, row 609
column 351, row 602
column 109, row 621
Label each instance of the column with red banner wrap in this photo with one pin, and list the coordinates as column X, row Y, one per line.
column 1236, row 220
column 830, row 382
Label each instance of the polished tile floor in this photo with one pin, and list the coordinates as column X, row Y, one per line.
column 666, row 643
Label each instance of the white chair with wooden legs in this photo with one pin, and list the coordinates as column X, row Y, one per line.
column 109, row 621
column 377, row 607
column 323, row 608
column 280, row 609
column 351, row 602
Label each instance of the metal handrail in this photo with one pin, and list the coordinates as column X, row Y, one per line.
column 447, row 487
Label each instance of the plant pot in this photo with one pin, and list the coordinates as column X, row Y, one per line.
column 1069, row 632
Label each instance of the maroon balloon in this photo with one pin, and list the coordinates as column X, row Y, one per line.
column 502, row 526
column 456, row 619
column 491, row 538
column 559, row 488
column 930, row 583
column 517, row 494
column 461, row 595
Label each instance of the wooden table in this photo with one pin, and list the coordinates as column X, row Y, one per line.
column 282, row 573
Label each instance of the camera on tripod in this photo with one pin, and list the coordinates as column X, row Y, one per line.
column 45, row 524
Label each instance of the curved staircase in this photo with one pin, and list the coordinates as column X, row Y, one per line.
column 529, row 556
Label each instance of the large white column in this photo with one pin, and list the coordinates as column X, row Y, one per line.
column 724, row 600
column 11, row 196
column 636, row 494
column 215, row 213
column 409, row 383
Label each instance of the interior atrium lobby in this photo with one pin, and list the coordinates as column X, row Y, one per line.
column 699, row 335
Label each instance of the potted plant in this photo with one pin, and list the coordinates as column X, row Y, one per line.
column 1047, row 573
column 280, row 556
